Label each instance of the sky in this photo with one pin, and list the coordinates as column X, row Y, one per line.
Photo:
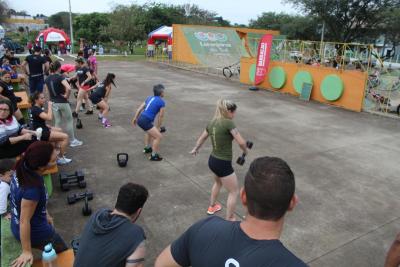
column 236, row 11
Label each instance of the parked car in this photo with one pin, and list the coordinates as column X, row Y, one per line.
column 10, row 44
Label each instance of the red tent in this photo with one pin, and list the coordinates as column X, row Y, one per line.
column 53, row 35
column 162, row 33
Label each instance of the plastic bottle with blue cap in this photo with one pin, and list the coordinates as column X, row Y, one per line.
column 49, row 256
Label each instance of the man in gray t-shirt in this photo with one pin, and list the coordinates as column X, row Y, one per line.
column 214, row 242
column 111, row 238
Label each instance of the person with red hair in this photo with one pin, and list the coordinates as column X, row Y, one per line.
column 31, row 224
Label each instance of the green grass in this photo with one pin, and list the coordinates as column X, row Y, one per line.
column 120, row 58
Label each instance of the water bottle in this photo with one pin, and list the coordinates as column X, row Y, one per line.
column 49, row 256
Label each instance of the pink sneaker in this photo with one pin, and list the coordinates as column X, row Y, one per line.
column 213, row 209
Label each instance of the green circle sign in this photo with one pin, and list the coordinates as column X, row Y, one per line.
column 252, row 73
column 300, row 78
column 277, row 77
column 332, row 87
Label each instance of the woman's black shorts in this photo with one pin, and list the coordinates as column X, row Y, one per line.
column 45, row 135
column 219, row 167
column 145, row 123
column 95, row 99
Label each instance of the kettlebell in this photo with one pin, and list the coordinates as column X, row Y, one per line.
column 86, row 210
column 163, row 129
column 79, row 124
column 122, row 159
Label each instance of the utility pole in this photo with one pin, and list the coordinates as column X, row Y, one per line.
column 70, row 28
column 322, row 49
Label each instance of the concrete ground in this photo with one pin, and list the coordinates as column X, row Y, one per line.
column 345, row 163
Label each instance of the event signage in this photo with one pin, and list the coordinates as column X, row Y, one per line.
column 263, row 58
column 216, row 47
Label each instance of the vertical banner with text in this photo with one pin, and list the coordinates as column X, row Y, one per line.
column 264, row 51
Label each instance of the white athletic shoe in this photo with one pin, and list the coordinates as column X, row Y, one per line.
column 39, row 132
column 75, row 143
column 63, row 161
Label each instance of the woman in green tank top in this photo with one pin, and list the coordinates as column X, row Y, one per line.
column 222, row 131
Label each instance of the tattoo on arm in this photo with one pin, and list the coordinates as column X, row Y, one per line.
column 234, row 131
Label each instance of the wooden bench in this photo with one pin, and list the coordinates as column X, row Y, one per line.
column 10, row 247
column 24, row 104
column 48, row 182
column 64, row 259
column 15, row 84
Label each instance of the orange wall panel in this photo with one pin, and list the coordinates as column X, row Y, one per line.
column 181, row 49
column 353, row 80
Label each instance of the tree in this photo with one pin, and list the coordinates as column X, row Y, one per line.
column 92, row 26
column 391, row 28
column 294, row 27
column 347, row 20
column 60, row 20
column 130, row 29
column 140, row 20
column 195, row 15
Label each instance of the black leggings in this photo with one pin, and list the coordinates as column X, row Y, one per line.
column 12, row 151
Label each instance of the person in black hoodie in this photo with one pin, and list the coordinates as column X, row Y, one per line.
column 111, row 238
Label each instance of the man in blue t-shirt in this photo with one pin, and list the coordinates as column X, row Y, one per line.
column 145, row 116
column 267, row 195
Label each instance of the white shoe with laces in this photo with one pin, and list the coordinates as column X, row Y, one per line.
column 63, row 160
column 75, row 143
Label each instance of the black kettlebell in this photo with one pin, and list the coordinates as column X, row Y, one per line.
column 163, row 129
column 86, row 210
column 79, row 124
column 122, row 159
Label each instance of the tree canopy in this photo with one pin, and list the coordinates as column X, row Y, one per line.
column 60, row 20
column 348, row 20
column 91, row 26
column 294, row 27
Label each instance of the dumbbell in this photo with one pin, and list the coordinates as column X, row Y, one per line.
column 72, row 198
column 86, row 210
column 68, row 180
column 242, row 159
column 163, row 129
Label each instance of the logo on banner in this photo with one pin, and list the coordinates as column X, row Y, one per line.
column 263, row 57
column 211, row 36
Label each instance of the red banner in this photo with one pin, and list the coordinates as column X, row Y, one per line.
column 264, row 51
